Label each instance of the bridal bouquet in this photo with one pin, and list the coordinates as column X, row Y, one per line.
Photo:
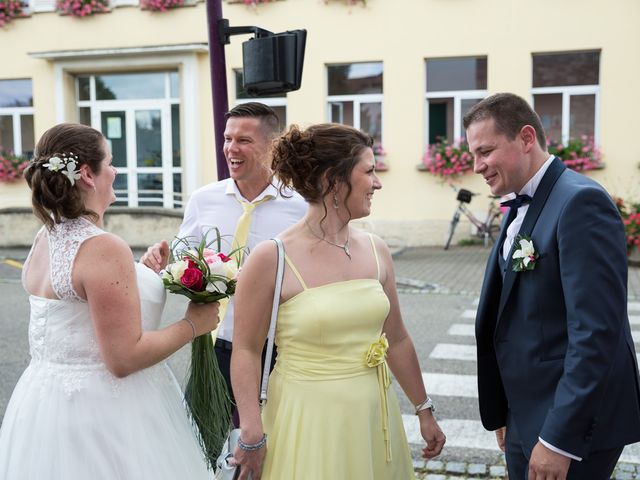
column 204, row 274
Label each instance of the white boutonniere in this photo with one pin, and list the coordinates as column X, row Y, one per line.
column 525, row 257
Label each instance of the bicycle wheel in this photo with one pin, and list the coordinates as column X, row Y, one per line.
column 452, row 228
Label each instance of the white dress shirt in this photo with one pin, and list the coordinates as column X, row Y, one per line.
column 529, row 189
column 514, row 227
column 218, row 205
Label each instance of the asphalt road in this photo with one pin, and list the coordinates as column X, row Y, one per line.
column 438, row 293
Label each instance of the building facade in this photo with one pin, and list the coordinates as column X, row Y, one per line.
column 405, row 71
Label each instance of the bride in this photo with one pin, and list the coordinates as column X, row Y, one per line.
column 97, row 400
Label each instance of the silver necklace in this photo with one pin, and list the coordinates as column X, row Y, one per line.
column 344, row 247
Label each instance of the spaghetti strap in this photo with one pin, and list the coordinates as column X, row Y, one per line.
column 295, row 271
column 375, row 254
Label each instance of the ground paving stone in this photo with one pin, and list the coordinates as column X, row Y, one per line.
column 456, row 467
column 477, row 469
column 497, row 471
column 435, row 465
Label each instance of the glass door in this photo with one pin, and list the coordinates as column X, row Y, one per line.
column 139, row 114
column 141, row 142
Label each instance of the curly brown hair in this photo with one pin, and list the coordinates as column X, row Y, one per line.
column 327, row 152
column 53, row 197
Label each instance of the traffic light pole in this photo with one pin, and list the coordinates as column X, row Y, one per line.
column 218, row 66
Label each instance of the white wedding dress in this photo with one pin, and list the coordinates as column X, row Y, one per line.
column 69, row 418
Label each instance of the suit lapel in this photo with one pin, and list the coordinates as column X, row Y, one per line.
column 539, row 200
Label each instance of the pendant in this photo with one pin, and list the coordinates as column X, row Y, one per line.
column 346, row 250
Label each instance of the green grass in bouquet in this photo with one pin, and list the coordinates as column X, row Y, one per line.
column 204, row 274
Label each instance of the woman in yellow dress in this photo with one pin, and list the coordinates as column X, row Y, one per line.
column 330, row 412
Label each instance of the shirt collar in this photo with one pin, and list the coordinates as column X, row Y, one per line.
column 232, row 189
column 532, row 185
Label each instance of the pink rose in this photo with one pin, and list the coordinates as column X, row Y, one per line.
column 192, row 278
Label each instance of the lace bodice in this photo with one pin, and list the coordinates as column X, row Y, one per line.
column 65, row 240
column 61, row 330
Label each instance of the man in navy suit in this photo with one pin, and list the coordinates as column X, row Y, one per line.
column 557, row 373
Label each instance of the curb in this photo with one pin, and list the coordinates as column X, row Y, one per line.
column 452, row 470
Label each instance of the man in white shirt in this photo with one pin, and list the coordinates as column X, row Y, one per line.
column 249, row 131
column 557, row 372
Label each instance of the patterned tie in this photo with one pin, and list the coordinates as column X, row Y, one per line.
column 240, row 237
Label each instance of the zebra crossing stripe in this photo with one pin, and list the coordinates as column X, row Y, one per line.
column 464, row 329
column 471, row 434
column 633, row 306
column 451, row 385
column 636, row 335
column 452, row 351
column 460, row 433
column 469, row 314
column 630, row 454
column 634, row 319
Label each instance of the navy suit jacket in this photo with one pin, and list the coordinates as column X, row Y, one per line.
column 554, row 343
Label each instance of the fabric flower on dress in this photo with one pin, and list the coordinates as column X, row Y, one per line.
column 377, row 352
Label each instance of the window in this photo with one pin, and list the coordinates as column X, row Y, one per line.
column 566, row 94
column 355, row 97
column 278, row 101
column 139, row 114
column 16, row 117
column 454, row 85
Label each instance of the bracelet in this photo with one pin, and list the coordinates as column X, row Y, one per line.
column 193, row 327
column 427, row 404
column 252, row 447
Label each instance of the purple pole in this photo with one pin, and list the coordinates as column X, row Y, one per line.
column 218, row 67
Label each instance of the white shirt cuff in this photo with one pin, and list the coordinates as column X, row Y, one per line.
column 557, row 450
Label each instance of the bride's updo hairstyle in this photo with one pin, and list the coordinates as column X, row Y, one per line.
column 53, row 195
column 302, row 159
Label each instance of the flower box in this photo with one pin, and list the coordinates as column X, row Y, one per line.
column 446, row 160
column 82, row 8
column 379, row 154
column 11, row 167
column 630, row 213
column 579, row 154
column 10, row 9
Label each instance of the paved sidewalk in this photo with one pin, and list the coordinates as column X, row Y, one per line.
column 448, row 275
column 459, row 270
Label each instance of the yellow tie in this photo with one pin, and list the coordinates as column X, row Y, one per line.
column 240, row 237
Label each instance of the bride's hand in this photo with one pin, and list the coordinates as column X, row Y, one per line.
column 204, row 316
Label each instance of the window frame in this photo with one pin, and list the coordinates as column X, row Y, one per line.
column 567, row 92
column 457, row 95
column 356, row 98
column 15, row 113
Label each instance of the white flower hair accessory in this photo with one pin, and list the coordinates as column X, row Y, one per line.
column 66, row 164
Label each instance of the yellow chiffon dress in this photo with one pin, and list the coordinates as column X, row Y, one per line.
column 330, row 413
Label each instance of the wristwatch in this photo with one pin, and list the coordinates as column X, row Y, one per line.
column 427, row 404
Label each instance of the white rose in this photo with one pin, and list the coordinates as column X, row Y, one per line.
column 166, row 275
column 178, row 268
column 217, row 287
column 217, row 268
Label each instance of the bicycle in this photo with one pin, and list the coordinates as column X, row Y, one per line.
column 487, row 230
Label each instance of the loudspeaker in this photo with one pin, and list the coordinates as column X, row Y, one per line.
column 273, row 64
